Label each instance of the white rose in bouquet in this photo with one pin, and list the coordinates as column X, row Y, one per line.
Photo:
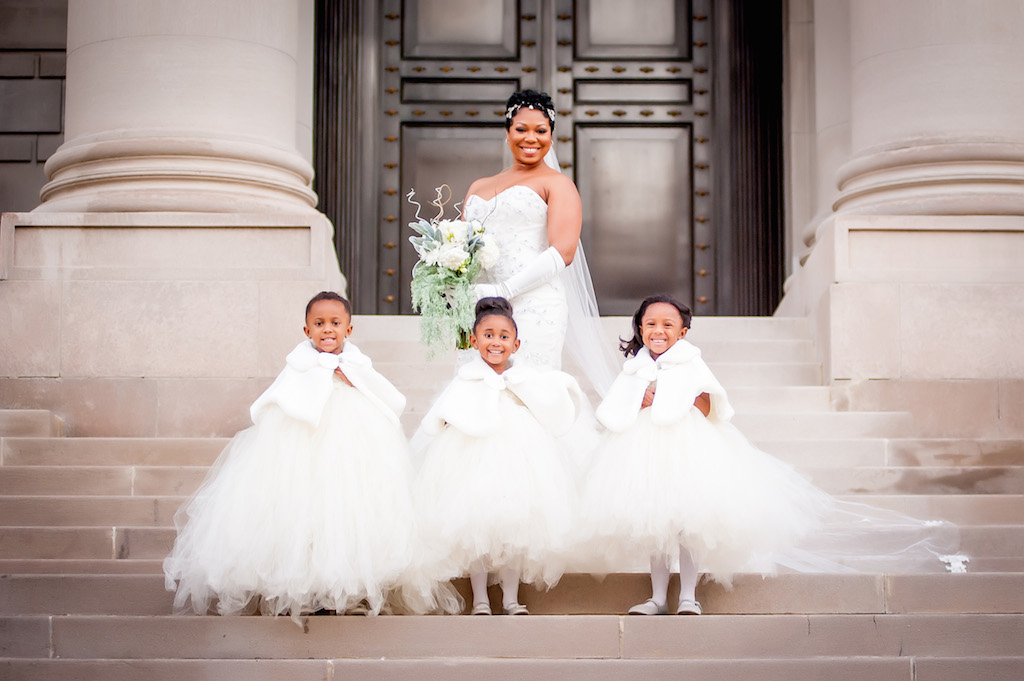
column 429, row 257
column 454, row 231
column 487, row 255
column 452, row 256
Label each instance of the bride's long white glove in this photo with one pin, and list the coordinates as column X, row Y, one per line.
column 543, row 269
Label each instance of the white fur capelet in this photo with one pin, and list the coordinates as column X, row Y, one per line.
column 470, row 402
column 303, row 387
column 681, row 377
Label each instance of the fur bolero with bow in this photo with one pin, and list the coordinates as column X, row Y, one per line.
column 680, row 375
column 303, row 387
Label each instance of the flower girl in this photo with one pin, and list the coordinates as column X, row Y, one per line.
column 310, row 508
column 495, row 492
column 675, row 480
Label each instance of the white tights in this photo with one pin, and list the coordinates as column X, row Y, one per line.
column 508, row 577
column 661, row 571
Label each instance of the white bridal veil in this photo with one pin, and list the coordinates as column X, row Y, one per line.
column 586, row 342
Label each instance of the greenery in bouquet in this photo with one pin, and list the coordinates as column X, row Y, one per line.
column 452, row 253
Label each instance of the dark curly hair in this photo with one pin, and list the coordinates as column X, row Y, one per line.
column 530, row 99
column 632, row 346
column 329, row 295
column 487, row 307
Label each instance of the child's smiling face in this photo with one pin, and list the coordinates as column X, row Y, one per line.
column 328, row 324
column 661, row 327
column 495, row 339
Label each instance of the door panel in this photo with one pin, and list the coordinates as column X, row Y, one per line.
column 634, row 182
column 460, row 29
column 433, row 155
column 407, row 88
column 644, row 29
column 638, row 76
column 631, row 83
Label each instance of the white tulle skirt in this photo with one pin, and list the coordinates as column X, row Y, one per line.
column 737, row 509
column 293, row 519
column 507, row 500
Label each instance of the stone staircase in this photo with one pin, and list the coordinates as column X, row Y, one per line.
column 85, row 523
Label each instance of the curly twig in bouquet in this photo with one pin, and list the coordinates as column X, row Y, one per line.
column 452, row 254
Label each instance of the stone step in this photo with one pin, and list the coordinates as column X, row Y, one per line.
column 408, row 376
column 101, row 451
column 53, row 511
column 1012, row 564
column 451, row 639
column 831, row 453
column 894, row 668
column 176, row 670
column 919, row 480
column 955, row 452
column 78, row 543
column 750, row 399
column 823, row 425
column 896, row 452
column 150, row 566
column 87, row 511
column 992, row 541
column 86, row 543
column 965, row 510
column 101, row 480
column 110, row 451
column 774, row 426
column 30, row 423
column 580, row 594
column 372, row 328
column 754, row 349
column 85, row 566
column 74, row 541
column 183, row 480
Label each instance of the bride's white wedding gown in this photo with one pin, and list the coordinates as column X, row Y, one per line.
column 517, row 218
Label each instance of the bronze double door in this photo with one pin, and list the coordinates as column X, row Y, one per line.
column 636, row 90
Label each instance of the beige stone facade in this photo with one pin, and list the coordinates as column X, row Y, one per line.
column 905, row 190
column 153, row 292
column 177, row 230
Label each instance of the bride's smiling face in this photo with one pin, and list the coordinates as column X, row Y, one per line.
column 529, row 137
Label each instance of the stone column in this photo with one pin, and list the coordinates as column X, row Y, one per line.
column 936, row 108
column 914, row 285
column 180, row 105
column 160, row 285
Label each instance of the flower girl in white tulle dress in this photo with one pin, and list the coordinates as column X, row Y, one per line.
column 495, row 492
column 675, row 480
column 310, row 508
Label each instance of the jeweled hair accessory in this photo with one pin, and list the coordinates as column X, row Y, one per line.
column 514, row 109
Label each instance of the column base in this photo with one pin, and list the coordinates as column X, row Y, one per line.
column 130, row 307
column 941, row 178
column 175, row 173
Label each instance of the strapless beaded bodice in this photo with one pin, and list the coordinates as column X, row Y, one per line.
column 517, row 220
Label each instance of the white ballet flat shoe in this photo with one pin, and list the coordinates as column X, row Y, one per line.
column 481, row 609
column 649, row 607
column 516, row 609
column 688, row 607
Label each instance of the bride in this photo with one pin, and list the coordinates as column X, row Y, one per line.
column 534, row 213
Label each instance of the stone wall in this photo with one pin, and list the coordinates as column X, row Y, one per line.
column 153, row 324
column 920, row 314
column 33, row 35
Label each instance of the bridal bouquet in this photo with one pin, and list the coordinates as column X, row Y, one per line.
column 452, row 254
